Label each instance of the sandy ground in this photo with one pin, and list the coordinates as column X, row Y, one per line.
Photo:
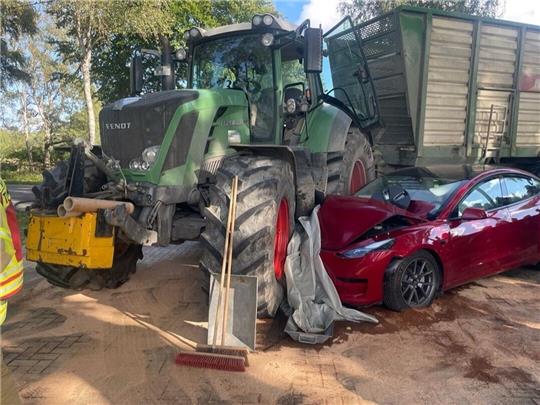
column 477, row 344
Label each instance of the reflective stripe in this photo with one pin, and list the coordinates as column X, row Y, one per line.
column 7, row 280
column 3, row 311
column 11, row 288
column 11, row 275
column 13, row 267
column 11, row 279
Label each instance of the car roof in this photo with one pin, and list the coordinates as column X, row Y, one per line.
column 454, row 172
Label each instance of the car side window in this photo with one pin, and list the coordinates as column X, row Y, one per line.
column 486, row 195
column 518, row 188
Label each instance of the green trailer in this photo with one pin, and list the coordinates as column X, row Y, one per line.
column 453, row 87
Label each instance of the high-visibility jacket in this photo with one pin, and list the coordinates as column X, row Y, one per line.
column 11, row 256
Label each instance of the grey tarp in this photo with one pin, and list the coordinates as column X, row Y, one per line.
column 311, row 294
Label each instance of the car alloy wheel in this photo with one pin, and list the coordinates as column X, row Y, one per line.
column 418, row 283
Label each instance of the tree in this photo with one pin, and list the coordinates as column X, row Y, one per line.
column 17, row 18
column 363, row 10
column 110, row 58
column 88, row 24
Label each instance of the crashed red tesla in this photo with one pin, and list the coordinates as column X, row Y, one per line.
column 410, row 234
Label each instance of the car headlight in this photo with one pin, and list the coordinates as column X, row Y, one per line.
column 148, row 157
column 364, row 250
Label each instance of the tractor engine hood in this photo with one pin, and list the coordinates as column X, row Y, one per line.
column 344, row 220
column 130, row 125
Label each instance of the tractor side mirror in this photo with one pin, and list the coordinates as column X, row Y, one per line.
column 313, row 44
column 136, row 75
column 472, row 213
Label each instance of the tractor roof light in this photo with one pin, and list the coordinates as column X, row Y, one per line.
column 193, row 34
column 257, row 20
column 268, row 20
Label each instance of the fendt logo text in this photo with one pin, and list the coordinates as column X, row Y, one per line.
column 118, row 125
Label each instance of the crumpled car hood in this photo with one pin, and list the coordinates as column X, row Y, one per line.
column 345, row 219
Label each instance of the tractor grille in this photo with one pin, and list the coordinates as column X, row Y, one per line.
column 126, row 130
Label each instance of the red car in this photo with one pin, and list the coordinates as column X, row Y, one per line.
column 413, row 233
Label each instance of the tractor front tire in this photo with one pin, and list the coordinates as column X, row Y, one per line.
column 353, row 168
column 76, row 278
column 264, row 223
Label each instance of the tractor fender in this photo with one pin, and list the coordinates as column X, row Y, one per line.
column 327, row 129
column 300, row 161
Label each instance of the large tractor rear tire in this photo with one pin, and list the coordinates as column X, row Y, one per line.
column 75, row 278
column 350, row 170
column 264, row 223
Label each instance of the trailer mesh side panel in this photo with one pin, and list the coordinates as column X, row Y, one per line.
column 528, row 130
column 448, row 81
column 382, row 48
column 496, row 73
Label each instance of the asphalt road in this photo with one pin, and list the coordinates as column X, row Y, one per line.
column 21, row 193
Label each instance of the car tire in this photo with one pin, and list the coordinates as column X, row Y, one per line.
column 412, row 282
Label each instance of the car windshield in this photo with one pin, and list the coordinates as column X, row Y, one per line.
column 239, row 62
column 427, row 191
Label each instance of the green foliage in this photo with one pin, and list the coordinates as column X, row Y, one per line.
column 17, row 18
column 88, row 23
column 363, row 10
column 21, row 177
column 111, row 58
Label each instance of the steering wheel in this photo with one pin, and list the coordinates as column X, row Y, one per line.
column 394, row 194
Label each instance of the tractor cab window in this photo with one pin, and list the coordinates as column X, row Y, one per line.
column 242, row 63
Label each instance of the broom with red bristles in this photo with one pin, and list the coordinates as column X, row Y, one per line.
column 220, row 357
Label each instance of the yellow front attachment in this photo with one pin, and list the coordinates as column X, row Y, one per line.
column 70, row 241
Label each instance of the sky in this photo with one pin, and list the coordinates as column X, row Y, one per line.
column 324, row 12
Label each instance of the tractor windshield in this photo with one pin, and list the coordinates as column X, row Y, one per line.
column 239, row 62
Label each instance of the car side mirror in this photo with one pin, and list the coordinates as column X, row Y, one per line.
column 136, row 75
column 473, row 213
column 313, row 45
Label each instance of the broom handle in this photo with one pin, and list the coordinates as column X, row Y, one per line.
column 229, row 261
column 223, row 268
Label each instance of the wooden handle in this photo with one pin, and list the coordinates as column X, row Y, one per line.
column 223, row 268
column 229, row 260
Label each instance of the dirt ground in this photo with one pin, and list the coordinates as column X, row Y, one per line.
column 477, row 344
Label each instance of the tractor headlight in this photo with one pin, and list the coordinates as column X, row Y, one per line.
column 149, row 154
column 356, row 253
column 135, row 164
column 267, row 39
column 181, row 54
column 147, row 159
column 290, row 106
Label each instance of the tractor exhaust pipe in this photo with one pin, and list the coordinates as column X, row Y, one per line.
column 167, row 65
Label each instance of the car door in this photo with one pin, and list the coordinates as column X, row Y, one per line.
column 477, row 247
column 521, row 196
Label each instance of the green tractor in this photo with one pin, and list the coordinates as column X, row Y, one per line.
column 253, row 107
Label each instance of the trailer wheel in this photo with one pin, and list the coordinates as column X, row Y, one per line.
column 351, row 169
column 76, row 278
column 264, row 223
